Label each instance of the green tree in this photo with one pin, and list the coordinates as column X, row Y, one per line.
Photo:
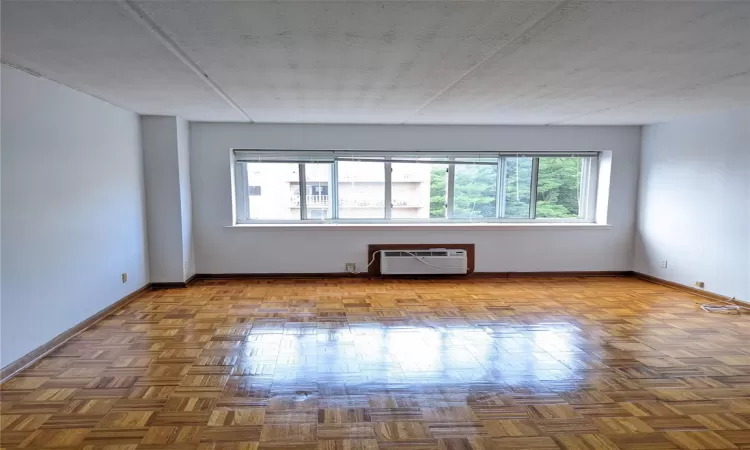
column 437, row 192
column 517, row 187
column 558, row 187
column 475, row 191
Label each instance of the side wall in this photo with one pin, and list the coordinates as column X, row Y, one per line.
column 694, row 203
column 72, row 209
column 224, row 249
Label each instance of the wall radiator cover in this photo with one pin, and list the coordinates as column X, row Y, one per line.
column 423, row 262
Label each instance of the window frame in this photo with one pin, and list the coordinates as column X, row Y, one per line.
column 587, row 197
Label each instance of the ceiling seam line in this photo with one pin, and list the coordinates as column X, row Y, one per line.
column 666, row 91
column 518, row 35
column 141, row 17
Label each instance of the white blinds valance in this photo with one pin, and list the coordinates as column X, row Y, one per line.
column 430, row 157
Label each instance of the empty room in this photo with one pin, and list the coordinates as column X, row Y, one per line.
column 375, row 224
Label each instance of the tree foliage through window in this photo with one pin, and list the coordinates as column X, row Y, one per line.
column 558, row 187
column 475, row 189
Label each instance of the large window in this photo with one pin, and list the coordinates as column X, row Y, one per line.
column 398, row 187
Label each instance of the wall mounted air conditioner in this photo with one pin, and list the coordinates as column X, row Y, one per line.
column 423, row 262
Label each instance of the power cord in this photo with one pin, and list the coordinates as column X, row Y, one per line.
column 729, row 308
column 374, row 254
column 420, row 259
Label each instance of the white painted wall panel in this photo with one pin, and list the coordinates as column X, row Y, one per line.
column 186, row 202
column 220, row 249
column 72, row 209
column 161, row 170
column 166, row 141
column 694, row 208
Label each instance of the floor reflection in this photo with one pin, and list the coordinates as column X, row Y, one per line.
column 371, row 353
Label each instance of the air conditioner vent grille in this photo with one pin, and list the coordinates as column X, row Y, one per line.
column 425, row 261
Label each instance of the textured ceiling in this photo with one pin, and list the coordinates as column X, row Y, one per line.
column 447, row 62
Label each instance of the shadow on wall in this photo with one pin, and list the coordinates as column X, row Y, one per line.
column 643, row 259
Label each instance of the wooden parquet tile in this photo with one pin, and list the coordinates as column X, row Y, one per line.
column 476, row 364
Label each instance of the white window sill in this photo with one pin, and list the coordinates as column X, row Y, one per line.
column 423, row 226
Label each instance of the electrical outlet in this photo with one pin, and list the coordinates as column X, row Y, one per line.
column 124, row 277
column 664, row 264
column 700, row 284
column 351, row 267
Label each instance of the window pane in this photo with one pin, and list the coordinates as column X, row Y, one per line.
column 418, row 190
column 475, row 191
column 317, row 197
column 517, row 202
column 269, row 185
column 559, row 187
column 438, row 191
column 361, row 190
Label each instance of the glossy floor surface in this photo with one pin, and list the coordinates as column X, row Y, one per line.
column 596, row 363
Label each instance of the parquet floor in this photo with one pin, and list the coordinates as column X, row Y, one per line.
column 597, row 363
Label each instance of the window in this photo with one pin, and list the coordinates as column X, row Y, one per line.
column 271, row 203
column 475, row 189
column 418, row 190
column 361, row 189
column 515, row 202
column 402, row 187
column 558, row 192
column 317, row 200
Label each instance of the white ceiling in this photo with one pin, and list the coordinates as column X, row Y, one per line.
column 361, row 61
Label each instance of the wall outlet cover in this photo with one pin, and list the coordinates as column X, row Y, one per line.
column 351, row 267
column 124, row 277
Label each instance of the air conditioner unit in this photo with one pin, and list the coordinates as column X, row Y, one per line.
column 423, row 262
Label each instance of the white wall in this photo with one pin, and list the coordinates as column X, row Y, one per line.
column 72, row 209
column 694, row 203
column 186, row 201
column 166, row 141
column 1, row 209
column 162, row 175
column 222, row 249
